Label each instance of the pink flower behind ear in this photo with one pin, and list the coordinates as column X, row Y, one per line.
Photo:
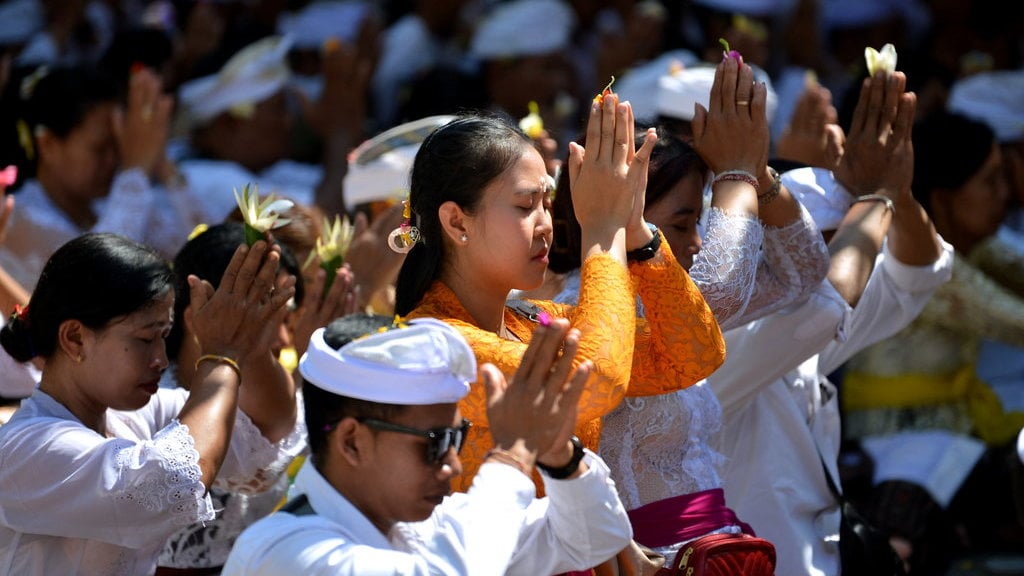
column 8, row 176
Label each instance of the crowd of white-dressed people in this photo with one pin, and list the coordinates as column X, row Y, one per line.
column 510, row 287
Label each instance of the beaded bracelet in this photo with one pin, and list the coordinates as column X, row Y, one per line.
column 230, row 362
column 508, row 458
column 877, row 198
column 773, row 192
column 737, row 176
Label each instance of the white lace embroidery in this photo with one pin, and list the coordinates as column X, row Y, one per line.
column 661, row 446
column 794, row 260
column 263, row 462
column 174, row 485
column 207, row 544
column 726, row 265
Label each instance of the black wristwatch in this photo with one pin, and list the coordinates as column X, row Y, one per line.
column 647, row 251
column 569, row 469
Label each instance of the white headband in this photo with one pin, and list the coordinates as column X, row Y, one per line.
column 428, row 362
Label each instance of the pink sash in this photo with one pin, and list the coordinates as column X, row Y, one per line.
column 682, row 518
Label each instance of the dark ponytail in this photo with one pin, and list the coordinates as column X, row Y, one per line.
column 455, row 163
column 94, row 279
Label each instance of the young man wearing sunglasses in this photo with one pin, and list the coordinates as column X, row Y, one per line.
column 385, row 431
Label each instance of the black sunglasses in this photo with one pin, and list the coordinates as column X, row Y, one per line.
column 439, row 439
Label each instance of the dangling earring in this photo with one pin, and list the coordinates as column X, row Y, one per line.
column 403, row 238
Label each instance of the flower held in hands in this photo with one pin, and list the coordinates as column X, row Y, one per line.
column 880, row 61
column 331, row 246
column 606, row 92
column 260, row 217
column 728, row 52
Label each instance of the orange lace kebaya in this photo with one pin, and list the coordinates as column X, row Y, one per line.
column 678, row 344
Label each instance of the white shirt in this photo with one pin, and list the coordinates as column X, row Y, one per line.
column 498, row 527
column 73, row 502
column 782, row 415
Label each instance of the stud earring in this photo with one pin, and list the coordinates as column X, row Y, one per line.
column 464, row 238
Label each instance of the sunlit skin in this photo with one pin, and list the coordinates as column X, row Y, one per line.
column 115, row 367
column 385, row 474
column 508, row 235
column 676, row 214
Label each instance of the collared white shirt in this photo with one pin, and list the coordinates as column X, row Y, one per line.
column 498, row 527
column 73, row 502
column 782, row 414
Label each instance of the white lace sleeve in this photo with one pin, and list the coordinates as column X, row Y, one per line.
column 726, row 266
column 794, row 261
column 253, row 464
column 59, row 478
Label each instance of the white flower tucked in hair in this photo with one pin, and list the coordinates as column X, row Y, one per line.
column 878, row 61
column 260, row 217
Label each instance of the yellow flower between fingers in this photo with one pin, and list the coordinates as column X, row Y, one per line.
column 532, row 124
column 880, row 60
column 332, row 245
column 260, row 217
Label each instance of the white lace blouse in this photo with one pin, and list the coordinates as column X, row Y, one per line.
column 75, row 502
column 207, row 544
column 661, row 447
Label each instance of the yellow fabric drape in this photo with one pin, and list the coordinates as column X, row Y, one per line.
column 991, row 422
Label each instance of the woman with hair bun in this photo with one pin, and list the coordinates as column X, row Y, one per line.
column 100, row 465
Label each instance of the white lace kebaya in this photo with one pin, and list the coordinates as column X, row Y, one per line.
column 660, row 447
column 75, row 502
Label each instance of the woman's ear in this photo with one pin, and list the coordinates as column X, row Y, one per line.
column 72, row 337
column 454, row 222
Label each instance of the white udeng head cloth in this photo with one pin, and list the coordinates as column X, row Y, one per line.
column 995, row 98
column 428, row 362
column 256, row 73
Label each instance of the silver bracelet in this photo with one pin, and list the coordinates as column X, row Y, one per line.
column 877, row 198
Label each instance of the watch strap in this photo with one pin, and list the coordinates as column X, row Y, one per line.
column 569, row 469
column 647, row 251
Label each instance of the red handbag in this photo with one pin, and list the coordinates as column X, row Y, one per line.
column 724, row 555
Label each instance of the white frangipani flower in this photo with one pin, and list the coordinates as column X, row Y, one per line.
column 883, row 60
column 260, row 217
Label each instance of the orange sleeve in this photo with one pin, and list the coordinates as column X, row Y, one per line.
column 679, row 342
column 606, row 319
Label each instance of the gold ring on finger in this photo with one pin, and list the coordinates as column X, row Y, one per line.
column 743, row 103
